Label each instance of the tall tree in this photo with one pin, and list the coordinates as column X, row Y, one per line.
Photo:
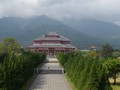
column 107, row 51
column 112, row 68
column 10, row 45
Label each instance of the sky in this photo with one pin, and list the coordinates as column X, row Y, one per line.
column 105, row 10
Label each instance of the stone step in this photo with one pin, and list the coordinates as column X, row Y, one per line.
column 51, row 56
column 50, row 71
column 50, row 61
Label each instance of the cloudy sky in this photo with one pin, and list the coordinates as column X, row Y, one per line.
column 107, row 10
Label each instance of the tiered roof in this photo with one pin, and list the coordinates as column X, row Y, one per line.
column 60, row 38
column 53, row 45
column 52, row 36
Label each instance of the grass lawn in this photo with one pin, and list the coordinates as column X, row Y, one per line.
column 117, row 86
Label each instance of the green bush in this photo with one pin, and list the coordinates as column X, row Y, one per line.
column 15, row 70
column 85, row 72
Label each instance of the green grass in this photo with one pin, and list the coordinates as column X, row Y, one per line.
column 70, row 83
column 117, row 86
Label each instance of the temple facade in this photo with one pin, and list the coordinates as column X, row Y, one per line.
column 51, row 44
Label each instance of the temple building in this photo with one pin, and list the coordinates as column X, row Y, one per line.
column 51, row 44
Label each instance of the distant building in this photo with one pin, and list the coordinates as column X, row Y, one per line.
column 51, row 44
column 93, row 47
column 84, row 50
column 118, row 58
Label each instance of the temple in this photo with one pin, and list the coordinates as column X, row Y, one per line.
column 51, row 44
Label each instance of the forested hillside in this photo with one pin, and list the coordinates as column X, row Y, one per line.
column 25, row 30
column 83, row 33
column 101, row 29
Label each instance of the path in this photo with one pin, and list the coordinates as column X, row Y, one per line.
column 50, row 78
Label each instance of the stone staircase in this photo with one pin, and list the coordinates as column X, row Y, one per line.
column 50, row 61
column 50, row 67
column 50, row 71
column 49, row 77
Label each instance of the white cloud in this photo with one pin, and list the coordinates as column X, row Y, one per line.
column 107, row 10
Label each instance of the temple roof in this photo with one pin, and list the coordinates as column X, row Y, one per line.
column 54, row 35
column 53, row 45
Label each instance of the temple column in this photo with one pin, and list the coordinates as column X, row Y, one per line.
column 48, row 52
column 54, row 52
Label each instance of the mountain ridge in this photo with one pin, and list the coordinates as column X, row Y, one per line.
column 27, row 30
column 107, row 31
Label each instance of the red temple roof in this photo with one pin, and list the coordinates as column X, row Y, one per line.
column 52, row 36
column 51, row 43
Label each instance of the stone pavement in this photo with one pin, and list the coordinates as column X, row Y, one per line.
column 50, row 81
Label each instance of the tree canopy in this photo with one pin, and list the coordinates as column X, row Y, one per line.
column 112, row 68
column 85, row 71
column 107, row 51
column 10, row 45
column 16, row 69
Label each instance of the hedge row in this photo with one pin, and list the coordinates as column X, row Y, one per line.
column 85, row 72
column 15, row 70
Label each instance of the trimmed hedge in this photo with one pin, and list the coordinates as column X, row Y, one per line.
column 85, row 72
column 15, row 70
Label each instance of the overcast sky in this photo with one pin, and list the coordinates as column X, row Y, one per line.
column 107, row 10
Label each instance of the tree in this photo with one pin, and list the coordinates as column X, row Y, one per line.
column 93, row 54
column 1, row 49
column 10, row 45
column 112, row 68
column 107, row 51
column 86, row 72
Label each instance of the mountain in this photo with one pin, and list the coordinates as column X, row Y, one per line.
column 11, row 27
column 25, row 30
column 100, row 29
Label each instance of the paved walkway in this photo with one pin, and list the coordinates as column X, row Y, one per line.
column 50, row 81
